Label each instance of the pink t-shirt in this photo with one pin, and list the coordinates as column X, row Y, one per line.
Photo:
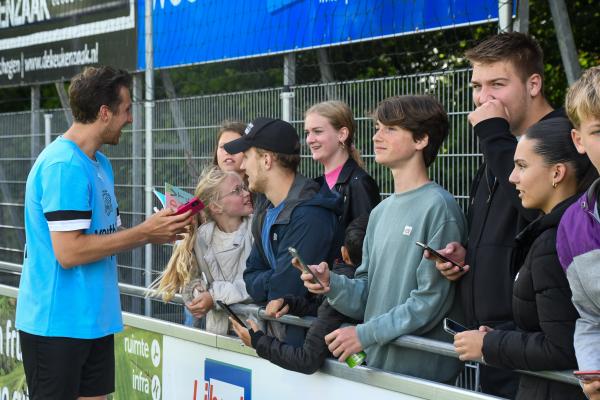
column 332, row 176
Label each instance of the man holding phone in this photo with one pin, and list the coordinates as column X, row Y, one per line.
column 296, row 214
column 507, row 83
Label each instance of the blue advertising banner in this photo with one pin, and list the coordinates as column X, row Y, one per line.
column 197, row 31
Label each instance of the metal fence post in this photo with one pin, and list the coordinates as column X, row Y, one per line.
column 47, row 129
column 505, row 16
column 35, row 121
column 137, row 184
column 149, row 106
column 289, row 79
column 564, row 36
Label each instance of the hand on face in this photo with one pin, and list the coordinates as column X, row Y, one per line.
column 492, row 108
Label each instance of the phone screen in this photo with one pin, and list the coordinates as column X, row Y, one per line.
column 453, row 327
column 230, row 312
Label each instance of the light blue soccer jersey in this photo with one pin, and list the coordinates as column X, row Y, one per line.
column 67, row 191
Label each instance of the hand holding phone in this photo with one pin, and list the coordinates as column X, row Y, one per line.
column 194, row 204
column 231, row 313
column 304, row 268
column 453, row 327
column 439, row 256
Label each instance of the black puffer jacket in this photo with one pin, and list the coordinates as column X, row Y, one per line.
column 309, row 357
column 358, row 189
column 544, row 315
column 495, row 217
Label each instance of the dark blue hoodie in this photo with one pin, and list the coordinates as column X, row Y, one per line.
column 308, row 222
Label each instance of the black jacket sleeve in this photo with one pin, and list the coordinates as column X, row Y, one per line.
column 303, row 306
column 498, row 145
column 552, row 347
column 308, row 358
column 364, row 195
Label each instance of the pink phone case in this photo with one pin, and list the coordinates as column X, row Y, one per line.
column 194, row 204
column 587, row 376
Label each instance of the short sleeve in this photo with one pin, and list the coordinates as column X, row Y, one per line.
column 65, row 197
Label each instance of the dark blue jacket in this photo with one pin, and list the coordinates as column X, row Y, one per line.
column 308, row 222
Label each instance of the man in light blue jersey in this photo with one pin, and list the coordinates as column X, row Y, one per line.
column 68, row 306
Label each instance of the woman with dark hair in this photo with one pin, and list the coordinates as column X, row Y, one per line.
column 330, row 128
column 550, row 175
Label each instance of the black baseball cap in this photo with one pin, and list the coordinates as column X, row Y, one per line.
column 269, row 134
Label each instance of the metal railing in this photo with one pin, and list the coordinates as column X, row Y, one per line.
column 406, row 341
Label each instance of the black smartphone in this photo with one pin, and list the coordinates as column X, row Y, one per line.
column 294, row 253
column 439, row 256
column 453, row 327
column 230, row 312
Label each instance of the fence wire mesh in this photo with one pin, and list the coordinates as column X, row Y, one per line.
column 184, row 138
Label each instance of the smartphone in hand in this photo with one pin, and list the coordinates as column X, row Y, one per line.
column 194, row 204
column 231, row 313
column 453, row 327
column 439, row 256
column 294, row 253
column 587, row 376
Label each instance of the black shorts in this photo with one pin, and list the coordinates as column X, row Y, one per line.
column 61, row 368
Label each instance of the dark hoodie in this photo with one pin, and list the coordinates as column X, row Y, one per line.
column 308, row 222
column 544, row 315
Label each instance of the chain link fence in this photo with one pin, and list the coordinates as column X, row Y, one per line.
column 184, row 138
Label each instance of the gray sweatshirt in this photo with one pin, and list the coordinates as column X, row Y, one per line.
column 398, row 292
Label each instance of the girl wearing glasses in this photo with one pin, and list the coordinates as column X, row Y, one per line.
column 208, row 264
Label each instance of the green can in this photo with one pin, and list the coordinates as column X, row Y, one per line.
column 356, row 359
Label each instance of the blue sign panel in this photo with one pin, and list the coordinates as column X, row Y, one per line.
column 196, row 31
column 226, row 381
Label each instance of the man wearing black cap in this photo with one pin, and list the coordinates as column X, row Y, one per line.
column 296, row 214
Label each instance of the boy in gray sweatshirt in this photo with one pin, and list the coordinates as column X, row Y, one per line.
column 396, row 291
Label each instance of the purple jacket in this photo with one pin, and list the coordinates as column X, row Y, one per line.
column 578, row 247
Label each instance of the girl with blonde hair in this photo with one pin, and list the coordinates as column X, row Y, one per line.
column 330, row 129
column 208, row 264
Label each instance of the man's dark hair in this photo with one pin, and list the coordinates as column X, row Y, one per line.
column 95, row 87
column 421, row 115
column 523, row 52
column 287, row 161
column 354, row 238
